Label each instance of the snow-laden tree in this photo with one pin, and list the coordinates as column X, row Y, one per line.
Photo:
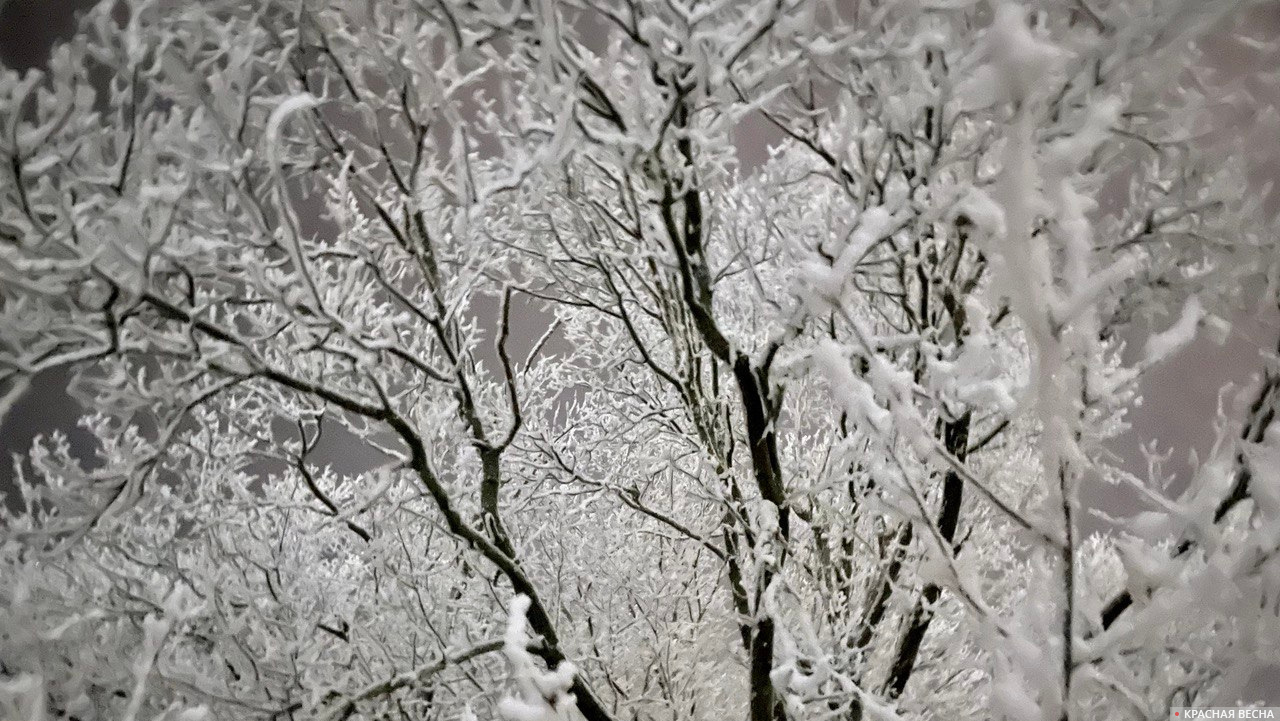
column 807, row 438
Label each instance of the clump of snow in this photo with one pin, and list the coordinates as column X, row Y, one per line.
column 23, row 698
column 1018, row 62
column 1023, row 681
column 979, row 374
column 291, row 105
column 1011, row 699
column 826, row 283
column 854, row 395
column 1179, row 335
column 1066, row 155
column 985, row 214
column 539, row 695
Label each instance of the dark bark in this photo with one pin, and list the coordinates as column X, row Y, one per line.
column 956, row 439
column 878, row 602
column 759, row 406
column 764, row 702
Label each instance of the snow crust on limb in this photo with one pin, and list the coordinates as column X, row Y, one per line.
column 538, row 695
column 855, row 395
column 1019, row 60
column 827, row 282
column 1177, row 336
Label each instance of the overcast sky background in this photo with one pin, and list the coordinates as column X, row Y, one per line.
column 1180, row 398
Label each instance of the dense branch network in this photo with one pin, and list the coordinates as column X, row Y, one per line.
column 394, row 319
